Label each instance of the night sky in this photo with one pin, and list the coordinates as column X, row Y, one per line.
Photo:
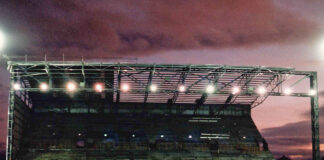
column 277, row 33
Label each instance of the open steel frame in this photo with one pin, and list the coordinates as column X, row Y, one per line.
column 168, row 78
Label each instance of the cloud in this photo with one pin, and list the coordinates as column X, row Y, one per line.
column 2, row 146
column 320, row 93
column 124, row 27
column 321, row 113
column 293, row 139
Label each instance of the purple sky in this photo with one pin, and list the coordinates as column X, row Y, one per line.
column 267, row 33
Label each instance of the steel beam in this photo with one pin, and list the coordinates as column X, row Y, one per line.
column 119, row 85
column 9, row 149
column 315, row 118
column 147, row 89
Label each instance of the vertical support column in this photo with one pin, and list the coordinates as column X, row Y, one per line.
column 315, row 117
column 9, row 149
column 118, row 89
column 147, row 90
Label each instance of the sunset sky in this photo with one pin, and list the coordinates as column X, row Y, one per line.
column 278, row 33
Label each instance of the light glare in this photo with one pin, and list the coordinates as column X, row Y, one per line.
column 287, row 91
column 2, row 40
column 71, row 86
column 99, row 87
column 125, row 87
column 43, row 86
column 210, row 89
column 16, row 86
column 261, row 90
column 153, row 88
column 182, row 88
column 312, row 92
column 236, row 90
column 320, row 47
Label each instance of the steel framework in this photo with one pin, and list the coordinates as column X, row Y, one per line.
column 168, row 78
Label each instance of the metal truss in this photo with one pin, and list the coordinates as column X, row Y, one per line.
column 166, row 77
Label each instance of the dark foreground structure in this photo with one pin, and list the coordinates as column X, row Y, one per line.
column 103, row 111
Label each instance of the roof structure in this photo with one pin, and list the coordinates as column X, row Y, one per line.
column 167, row 78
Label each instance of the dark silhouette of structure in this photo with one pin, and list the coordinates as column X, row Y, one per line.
column 110, row 111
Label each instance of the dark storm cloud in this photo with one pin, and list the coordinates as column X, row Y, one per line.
column 302, row 128
column 321, row 93
column 127, row 26
column 321, row 113
column 289, row 140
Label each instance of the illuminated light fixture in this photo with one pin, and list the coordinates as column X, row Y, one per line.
column 79, row 134
column 16, row 86
column 2, row 40
column 287, row 91
column 182, row 88
column 105, row 135
column 43, row 87
column 210, row 89
column 261, row 90
column 71, row 86
column 162, row 136
column 312, row 92
column 190, row 136
column 133, row 135
column 320, row 46
column 99, row 87
column 236, row 90
column 153, row 88
column 124, row 87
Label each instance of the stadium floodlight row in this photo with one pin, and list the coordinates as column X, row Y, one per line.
column 158, row 83
column 164, row 83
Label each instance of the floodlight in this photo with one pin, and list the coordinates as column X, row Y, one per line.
column 43, row 87
column 162, row 136
column 236, row 90
column 320, row 46
column 124, row 87
column 105, row 135
column 190, row 136
column 2, row 40
column 287, row 91
column 210, row 89
column 71, row 86
column 153, row 88
column 182, row 88
column 261, row 90
column 79, row 134
column 16, row 86
column 133, row 135
column 99, row 87
column 312, row 92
